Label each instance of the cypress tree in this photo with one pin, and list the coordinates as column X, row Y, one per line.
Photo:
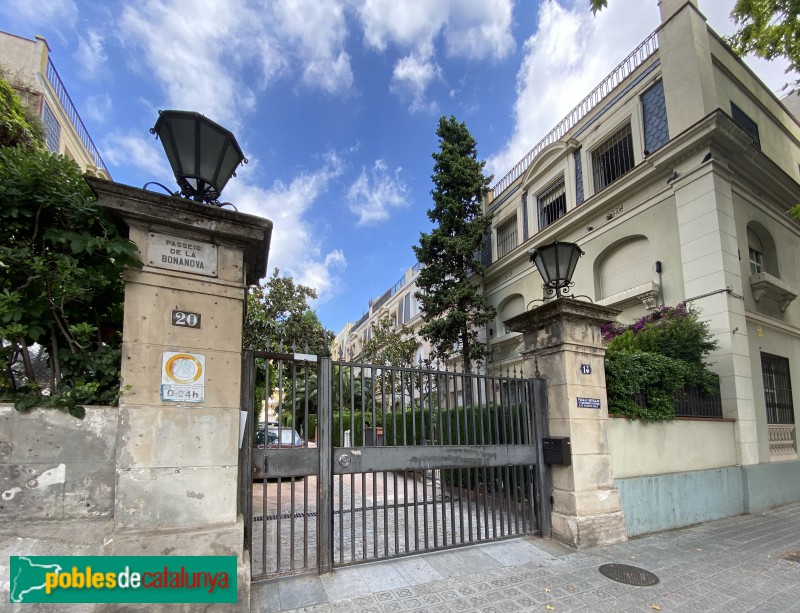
column 452, row 302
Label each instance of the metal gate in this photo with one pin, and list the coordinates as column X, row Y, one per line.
column 405, row 460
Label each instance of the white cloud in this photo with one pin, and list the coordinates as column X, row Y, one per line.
column 567, row 56
column 91, row 54
column 410, row 80
column 146, row 154
column 98, row 108
column 296, row 246
column 474, row 29
column 317, row 30
column 480, row 29
column 51, row 12
column 373, row 194
column 200, row 59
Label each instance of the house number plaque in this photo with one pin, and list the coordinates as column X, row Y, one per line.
column 185, row 319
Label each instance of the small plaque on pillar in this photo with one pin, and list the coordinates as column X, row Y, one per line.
column 183, row 254
column 588, row 403
column 182, row 377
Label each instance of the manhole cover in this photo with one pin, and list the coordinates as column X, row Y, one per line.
column 631, row 575
column 792, row 556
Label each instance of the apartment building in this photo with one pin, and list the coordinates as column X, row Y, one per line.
column 399, row 305
column 30, row 70
column 674, row 175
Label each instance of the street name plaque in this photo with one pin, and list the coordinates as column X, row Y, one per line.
column 183, row 254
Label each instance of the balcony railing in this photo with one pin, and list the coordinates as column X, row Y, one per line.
column 617, row 76
column 63, row 97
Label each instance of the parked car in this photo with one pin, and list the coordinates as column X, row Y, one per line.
column 269, row 438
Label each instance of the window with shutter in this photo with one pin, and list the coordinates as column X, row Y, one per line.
column 629, row 265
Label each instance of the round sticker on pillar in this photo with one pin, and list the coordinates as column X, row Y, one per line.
column 182, row 377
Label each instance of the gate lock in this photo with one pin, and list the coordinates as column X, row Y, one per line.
column 344, row 460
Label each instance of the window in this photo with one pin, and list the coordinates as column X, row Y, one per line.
column 756, row 261
column 52, row 129
column 506, row 237
column 613, row 158
column 755, row 249
column 777, row 389
column 625, row 267
column 552, row 203
column 741, row 119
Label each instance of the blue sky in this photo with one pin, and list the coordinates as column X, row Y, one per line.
column 336, row 102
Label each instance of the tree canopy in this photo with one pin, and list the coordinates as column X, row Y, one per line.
column 278, row 315
column 61, row 289
column 390, row 344
column 452, row 303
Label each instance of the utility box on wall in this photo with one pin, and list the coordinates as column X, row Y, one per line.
column 557, row 450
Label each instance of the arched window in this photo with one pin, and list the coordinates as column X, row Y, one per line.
column 510, row 307
column 761, row 252
column 626, row 266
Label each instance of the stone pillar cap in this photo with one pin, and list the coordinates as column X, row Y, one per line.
column 571, row 308
column 252, row 233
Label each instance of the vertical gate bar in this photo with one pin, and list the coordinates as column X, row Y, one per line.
column 434, row 435
column 451, row 437
column 486, row 424
column 464, row 404
column 472, row 486
column 292, row 522
column 382, row 383
column 476, row 472
column 394, row 443
column 424, row 472
column 277, row 524
column 504, row 438
column 340, row 478
column 306, row 516
column 517, row 441
column 325, row 477
column 264, row 507
column 544, row 481
column 405, row 442
column 246, row 454
column 416, row 514
column 495, row 439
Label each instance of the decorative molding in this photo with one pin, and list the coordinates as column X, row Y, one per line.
column 647, row 294
column 764, row 284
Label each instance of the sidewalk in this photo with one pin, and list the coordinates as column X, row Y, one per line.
column 745, row 563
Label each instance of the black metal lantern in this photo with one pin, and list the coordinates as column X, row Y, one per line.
column 203, row 154
column 556, row 263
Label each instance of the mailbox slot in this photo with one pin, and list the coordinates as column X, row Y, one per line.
column 557, row 450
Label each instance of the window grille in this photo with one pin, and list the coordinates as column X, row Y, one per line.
column 741, row 119
column 506, row 237
column 552, row 203
column 407, row 307
column 777, row 389
column 613, row 158
column 52, row 129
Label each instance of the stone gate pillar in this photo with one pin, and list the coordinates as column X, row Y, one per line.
column 562, row 341
column 177, row 459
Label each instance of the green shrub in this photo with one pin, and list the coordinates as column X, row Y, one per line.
column 652, row 359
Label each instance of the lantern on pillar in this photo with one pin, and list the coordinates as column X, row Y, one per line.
column 203, row 154
column 556, row 264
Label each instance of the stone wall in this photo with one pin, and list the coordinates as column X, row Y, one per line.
column 54, row 466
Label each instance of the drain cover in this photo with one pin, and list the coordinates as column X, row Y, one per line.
column 631, row 575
